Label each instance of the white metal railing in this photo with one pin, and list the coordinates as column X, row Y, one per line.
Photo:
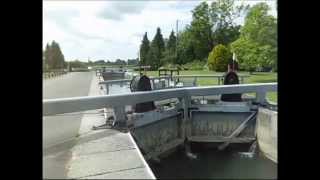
column 54, row 73
column 220, row 77
column 174, row 79
column 76, row 104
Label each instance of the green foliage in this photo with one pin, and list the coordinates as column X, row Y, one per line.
column 195, row 65
column 226, row 35
column 171, row 45
column 77, row 64
column 200, row 30
column 218, row 58
column 169, row 55
column 185, row 47
column 132, row 61
column 156, row 51
column 210, row 25
column 152, row 59
column 53, row 56
column 223, row 13
column 257, row 44
column 120, row 62
column 144, row 49
column 168, row 58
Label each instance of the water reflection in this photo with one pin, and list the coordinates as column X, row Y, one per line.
column 214, row 164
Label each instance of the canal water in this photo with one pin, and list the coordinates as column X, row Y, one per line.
column 232, row 163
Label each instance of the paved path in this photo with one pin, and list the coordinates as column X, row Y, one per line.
column 100, row 154
column 63, row 127
column 68, row 85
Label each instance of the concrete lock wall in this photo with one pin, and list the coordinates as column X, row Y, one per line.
column 159, row 137
column 267, row 131
column 156, row 138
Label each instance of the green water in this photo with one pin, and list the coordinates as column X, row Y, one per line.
column 213, row 164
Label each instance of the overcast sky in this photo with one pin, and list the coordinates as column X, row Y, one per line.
column 112, row 29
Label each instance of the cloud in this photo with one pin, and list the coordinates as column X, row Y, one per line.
column 117, row 10
column 109, row 29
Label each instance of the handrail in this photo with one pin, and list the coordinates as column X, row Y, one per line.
column 120, row 81
column 167, row 77
column 76, row 104
column 207, row 76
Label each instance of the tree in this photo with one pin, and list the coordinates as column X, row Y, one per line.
column 185, row 49
column 77, row 64
column 99, row 62
column 226, row 35
column 120, row 62
column 47, row 57
column 169, row 56
column 53, row 56
column 201, row 32
column 152, row 59
column 44, row 63
column 222, row 14
column 171, row 45
column 257, row 44
column 144, row 49
column 157, row 48
column 57, row 56
column 132, row 61
column 210, row 25
column 219, row 58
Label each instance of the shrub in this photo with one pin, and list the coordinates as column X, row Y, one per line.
column 195, row 65
column 218, row 58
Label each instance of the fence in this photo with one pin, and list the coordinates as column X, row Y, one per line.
column 51, row 74
column 119, row 101
column 167, row 79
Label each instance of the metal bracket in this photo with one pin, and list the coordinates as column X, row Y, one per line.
column 236, row 132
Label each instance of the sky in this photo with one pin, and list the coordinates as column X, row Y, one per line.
column 111, row 30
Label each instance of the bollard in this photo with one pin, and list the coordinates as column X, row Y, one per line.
column 231, row 78
column 144, row 84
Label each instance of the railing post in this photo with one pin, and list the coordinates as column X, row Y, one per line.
column 153, row 84
column 120, row 115
column 185, row 124
column 107, row 88
column 195, row 81
column 261, row 97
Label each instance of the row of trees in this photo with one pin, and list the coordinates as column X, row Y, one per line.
column 255, row 43
column 159, row 52
column 53, row 57
column 133, row 62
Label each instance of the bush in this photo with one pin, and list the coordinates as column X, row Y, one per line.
column 195, row 65
column 219, row 58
